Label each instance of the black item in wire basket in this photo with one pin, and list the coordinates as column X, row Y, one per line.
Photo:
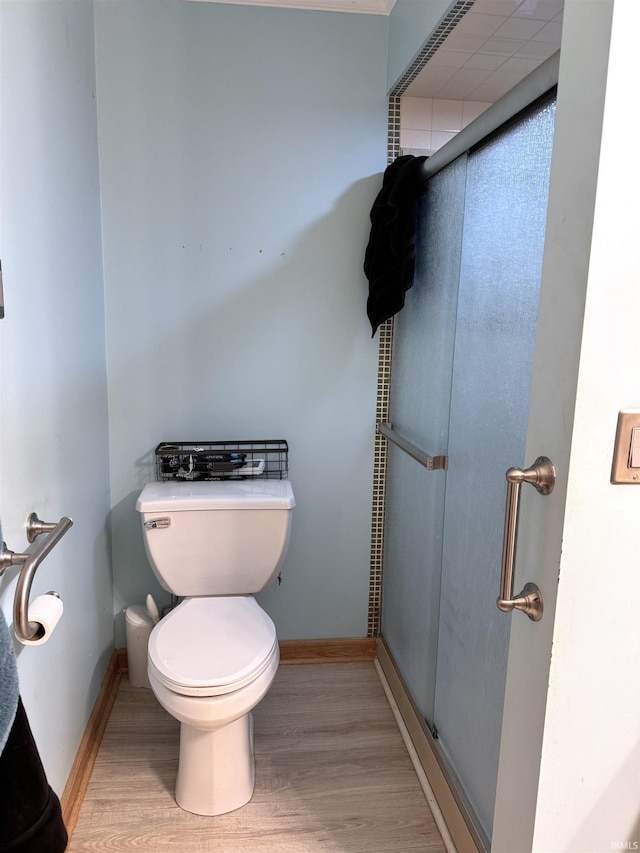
column 218, row 460
column 202, row 463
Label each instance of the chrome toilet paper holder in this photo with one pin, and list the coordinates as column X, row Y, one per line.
column 23, row 629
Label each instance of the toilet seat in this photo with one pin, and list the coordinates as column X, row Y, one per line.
column 212, row 646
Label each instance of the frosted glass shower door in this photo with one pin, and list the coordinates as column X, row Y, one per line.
column 462, row 365
column 424, row 340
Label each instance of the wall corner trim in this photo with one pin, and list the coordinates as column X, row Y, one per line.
column 349, row 650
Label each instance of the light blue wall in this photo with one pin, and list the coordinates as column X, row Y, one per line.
column 53, row 413
column 241, row 149
column 410, row 25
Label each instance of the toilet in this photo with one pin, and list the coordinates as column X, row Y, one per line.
column 215, row 655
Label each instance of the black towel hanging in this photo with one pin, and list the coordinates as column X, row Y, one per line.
column 390, row 255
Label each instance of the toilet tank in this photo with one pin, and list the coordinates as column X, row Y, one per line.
column 224, row 537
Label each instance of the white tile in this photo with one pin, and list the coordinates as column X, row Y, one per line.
column 430, row 81
column 467, row 44
column 450, row 58
column 503, row 47
column 440, row 137
column 447, row 115
column 496, row 7
column 520, row 65
column 539, row 50
column 415, row 113
column 519, row 28
column 540, row 10
column 552, row 32
column 462, row 84
column 472, row 109
column 415, row 138
column 479, row 25
column 416, row 152
column 485, row 61
column 496, row 86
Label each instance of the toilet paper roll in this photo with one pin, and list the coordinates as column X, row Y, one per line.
column 46, row 610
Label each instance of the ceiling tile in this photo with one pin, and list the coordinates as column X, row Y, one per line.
column 496, row 7
column 485, row 61
column 540, row 10
column 450, row 58
column 495, row 45
column 519, row 28
column 469, row 44
column 479, row 25
column 539, row 50
column 520, row 65
column 463, row 84
column 495, row 86
column 552, row 32
column 503, row 47
column 430, row 81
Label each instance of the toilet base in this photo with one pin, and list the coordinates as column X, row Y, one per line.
column 216, row 769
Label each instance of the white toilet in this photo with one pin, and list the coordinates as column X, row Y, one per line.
column 213, row 658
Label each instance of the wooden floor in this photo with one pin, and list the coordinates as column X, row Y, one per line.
column 332, row 773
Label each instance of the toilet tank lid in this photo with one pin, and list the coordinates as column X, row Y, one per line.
column 216, row 494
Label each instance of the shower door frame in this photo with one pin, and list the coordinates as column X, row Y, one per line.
column 580, row 114
column 538, row 87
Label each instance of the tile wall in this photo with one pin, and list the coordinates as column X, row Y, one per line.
column 427, row 123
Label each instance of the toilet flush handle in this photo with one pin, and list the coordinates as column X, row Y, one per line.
column 157, row 523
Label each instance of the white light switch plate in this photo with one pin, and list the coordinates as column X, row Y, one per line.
column 626, row 452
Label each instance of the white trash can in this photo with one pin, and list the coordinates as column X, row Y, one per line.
column 139, row 627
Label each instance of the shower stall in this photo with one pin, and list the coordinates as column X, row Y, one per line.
column 463, row 350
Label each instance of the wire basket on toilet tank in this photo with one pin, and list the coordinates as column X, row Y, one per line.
column 222, row 460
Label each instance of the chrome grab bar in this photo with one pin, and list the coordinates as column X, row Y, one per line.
column 431, row 463
column 23, row 629
column 542, row 476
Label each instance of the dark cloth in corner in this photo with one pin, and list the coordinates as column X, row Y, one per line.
column 30, row 815
column 389, row 260
column 9, row 687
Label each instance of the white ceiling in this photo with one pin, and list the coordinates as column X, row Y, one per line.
column 495, row 45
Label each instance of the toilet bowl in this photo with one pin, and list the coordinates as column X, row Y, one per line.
column 213, row 696
column 214, row 657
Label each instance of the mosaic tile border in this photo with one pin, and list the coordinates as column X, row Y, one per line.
column 385, row 347
column 393, row 129
column 442, row 31
column 379, row 480
column 445, row 28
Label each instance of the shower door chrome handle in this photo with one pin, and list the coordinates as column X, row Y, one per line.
column 542, row 476
column 431, row 463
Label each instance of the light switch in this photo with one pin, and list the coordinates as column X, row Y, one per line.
column 634, row 454
column 626, row 452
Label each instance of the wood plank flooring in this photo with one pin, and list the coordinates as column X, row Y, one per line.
column 332, row 774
